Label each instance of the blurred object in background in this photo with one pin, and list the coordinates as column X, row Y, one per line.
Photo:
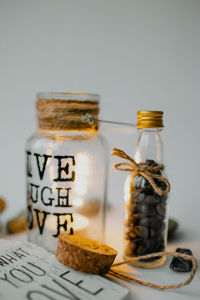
column 172, row 228
column 2, row 208
column 2, row 205
column 18, row 224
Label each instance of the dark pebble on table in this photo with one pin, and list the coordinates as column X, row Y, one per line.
column 184, row 251
column 180, row 264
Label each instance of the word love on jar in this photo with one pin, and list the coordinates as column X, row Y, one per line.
column 61, row 167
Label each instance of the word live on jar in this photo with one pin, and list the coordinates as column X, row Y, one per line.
column 46, row 196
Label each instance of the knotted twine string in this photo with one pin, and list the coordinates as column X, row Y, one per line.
column 119, row 274
column 142, row 169
column 147, row 173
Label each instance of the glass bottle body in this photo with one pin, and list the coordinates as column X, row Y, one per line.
column 66, row 185
column 146, row 212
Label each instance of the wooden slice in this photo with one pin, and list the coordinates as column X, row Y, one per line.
column 84, row 254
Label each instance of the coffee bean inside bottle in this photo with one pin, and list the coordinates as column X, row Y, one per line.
column 146, row 218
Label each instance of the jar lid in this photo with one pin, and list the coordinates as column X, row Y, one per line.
column 67, row 111
column 149, row 119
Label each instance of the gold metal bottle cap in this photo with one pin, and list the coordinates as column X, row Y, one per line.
column 149, row 119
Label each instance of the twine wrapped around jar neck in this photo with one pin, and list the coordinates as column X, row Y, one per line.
column 142, row 169
column 55, row 114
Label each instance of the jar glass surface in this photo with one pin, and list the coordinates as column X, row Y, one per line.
column 66, row 185
column 146, row 212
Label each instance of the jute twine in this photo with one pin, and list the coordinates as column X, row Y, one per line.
column 148, row 173
column 119, row 274
column 142, row 169
column 66, row 114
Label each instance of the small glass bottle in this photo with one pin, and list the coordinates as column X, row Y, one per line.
column 66, row 170
column 146, row 212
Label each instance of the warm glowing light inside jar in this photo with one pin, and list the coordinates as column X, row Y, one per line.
column 82, row 179
column 80, row 224
column 83, row 187
column 81, row 204
column 82, row 170
column 78, row 202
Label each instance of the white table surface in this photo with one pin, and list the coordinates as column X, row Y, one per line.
column 185, row 237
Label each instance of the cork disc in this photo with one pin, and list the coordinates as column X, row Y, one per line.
column 84, row 254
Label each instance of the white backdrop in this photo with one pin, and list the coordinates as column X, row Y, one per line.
column 137, row 54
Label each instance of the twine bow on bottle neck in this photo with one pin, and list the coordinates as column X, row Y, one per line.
column 148, row 172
